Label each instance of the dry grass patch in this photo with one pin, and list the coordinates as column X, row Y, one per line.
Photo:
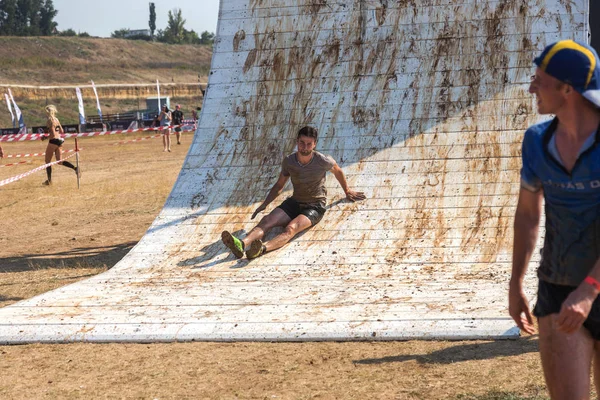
column 61, row 228
column 393, row 370
column 72, row 60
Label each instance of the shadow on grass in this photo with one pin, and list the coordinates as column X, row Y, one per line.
column 464, row 352
column 80, row 257
column 8, row 298
column 496, row 395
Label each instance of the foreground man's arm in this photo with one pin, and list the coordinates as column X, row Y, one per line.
column 527, row 222
column 577, row 306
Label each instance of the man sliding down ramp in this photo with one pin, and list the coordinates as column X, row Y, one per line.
column 304, row 209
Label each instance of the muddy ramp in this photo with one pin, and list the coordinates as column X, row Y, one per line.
column 422, row 103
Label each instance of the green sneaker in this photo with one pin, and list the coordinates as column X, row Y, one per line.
column 234, row 244
column 256, row 249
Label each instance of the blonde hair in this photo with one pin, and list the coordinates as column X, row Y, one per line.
column 51, row 110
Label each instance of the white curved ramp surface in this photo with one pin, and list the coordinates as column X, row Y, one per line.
column 422, row 103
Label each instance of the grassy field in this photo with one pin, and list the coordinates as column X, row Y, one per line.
column 57, row 235
column 73, row 60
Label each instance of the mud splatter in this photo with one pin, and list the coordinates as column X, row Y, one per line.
column 197, row 201
column 361, row 117
column 381, row 12
column 332, row 51
column 567, row 5
column 250, row 60
column 239, row 36
column 314, row 6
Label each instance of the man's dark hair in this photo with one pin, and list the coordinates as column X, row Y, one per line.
column 308, row 131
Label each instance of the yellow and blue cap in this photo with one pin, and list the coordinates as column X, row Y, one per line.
column 574, row 63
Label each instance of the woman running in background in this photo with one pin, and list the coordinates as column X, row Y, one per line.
column 165, row 122
column 55, row 130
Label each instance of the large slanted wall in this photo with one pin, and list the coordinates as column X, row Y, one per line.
column 422, row 103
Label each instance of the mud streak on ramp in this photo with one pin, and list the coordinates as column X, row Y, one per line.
column 423, row 104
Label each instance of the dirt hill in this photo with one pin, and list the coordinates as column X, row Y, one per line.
column 65, row 60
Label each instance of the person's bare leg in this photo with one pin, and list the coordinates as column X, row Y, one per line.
column 566, row 360
column 49, row 153
column 47, row 159
column 597, row 365
column 178, row 134
column 277, row 217
column 164, row 141
column 168, row 136
column 297, row 225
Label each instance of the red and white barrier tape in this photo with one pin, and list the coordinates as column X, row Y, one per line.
column 136, row 140
column 41, row 167
column 36, row 136
column 35, row 154
column 13, row 164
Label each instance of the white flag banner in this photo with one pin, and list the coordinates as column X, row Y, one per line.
column 12, row 116
column 97, row 101
column 17, row 110
column 81, row 110
column 158, row 91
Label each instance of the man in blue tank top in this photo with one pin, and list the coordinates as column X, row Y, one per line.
column 561, row 165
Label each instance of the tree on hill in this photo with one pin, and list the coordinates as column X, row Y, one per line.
column 47, row 14
column 175, row 32
column 67, row 32
column 207, row 38
column 27, row 17
column 71, row 33
column 8, row 17
column 152, row 21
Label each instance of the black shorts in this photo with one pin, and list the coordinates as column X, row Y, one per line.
column 57, row 142
column 178, row 129
column 292, row 208
column 550, row 299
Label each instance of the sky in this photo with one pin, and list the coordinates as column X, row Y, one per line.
column 102, row 17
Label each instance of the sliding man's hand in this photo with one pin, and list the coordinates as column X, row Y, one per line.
column 259, row 209
column 355, row 196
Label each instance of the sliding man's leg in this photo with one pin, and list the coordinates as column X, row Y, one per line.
column 277, row 217
column 297, row 225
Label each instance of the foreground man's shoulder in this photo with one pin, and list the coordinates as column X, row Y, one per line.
column 537, row 131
